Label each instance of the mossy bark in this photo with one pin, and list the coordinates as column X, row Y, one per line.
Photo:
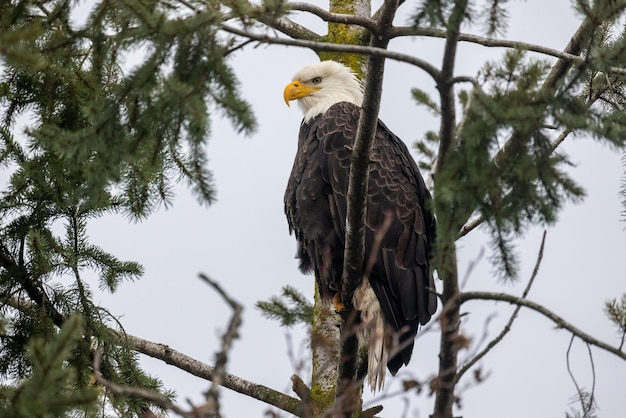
column 326, row 335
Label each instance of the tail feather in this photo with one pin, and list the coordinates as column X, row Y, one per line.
column 373, row 332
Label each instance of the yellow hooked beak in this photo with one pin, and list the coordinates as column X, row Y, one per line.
column 295, row 90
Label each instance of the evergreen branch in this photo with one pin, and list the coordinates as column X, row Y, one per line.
column 557, row 73
column 559, row 139
column 34, row 292
column 558, row 321
column 616, row 312
column 293, row 308
column 197, row 368
column 327, row 46
column 156, row 398
column 468, row 365
column 469, row 226
column 42, row 394
column 574, row 46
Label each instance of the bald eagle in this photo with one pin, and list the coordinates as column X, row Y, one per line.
column 398, row 295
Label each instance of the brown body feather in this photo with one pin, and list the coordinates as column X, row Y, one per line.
column 315, row 204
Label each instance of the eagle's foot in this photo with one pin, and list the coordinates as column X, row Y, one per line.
column 339, row 306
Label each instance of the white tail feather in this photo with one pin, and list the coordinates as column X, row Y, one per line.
column 372, row 332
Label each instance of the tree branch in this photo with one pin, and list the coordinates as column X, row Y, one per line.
column 325, row 15
column 354, row 250
column 445, row 84
column 560, row 322
column 359, row 163
column 326, row 46
column 446, row 249
column 498, row 43
column 212, row 396
column 557, row 73
column 195, row 367
column 586, row 405
column 34, row 292
column 207, row 372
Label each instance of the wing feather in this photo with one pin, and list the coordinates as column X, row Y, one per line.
column 401, row 277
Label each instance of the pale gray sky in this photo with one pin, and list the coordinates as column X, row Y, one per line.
column 242, row 241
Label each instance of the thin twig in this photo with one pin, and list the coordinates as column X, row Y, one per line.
column 378, row 240
column 579, row 391
column 559, row 321
column 586, row 404
column 509, row 324
column 593, row 377
column 221, row 358
column 470, row 226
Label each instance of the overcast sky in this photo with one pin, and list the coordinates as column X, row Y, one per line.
column 242, row 241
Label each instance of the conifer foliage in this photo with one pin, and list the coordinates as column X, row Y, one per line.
column 103, row 107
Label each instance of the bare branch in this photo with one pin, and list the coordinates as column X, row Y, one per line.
column 326, row 46
column 560, row 322
column 205, row 371
column 445, row 84
column 470, row 226
column 447, row 263
column 509, row 324
column 586, row 402
column 212, row 396
column 378, row 240
column 360, row 160
column 498, row 43
column 292, row 29
column 281, row 24
column 327, row 16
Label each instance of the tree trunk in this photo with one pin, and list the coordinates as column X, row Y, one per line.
column 327, row 324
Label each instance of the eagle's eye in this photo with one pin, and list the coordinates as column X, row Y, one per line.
column 316, row 80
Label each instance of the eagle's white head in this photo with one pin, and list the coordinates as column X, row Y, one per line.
column 319, row 86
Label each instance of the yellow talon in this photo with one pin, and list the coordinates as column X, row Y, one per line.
column 339, row 306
